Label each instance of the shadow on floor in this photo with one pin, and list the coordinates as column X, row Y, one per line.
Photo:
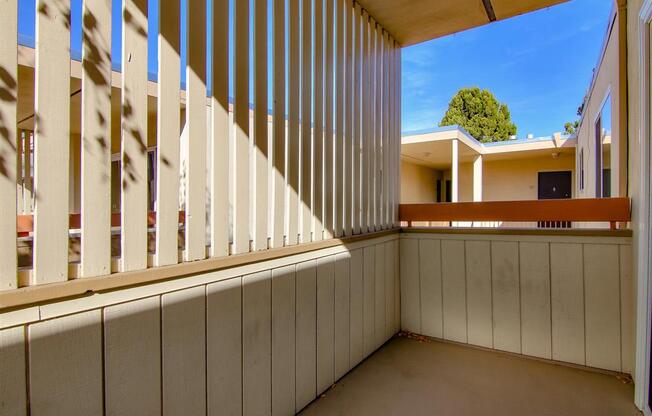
column 408, row 377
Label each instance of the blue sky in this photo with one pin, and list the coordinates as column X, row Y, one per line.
column 539, row 64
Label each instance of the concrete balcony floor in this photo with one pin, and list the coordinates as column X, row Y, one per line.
column 409, row 377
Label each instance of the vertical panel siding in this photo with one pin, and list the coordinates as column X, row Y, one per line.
column 410, row 285
column 278, row 123
column 318, row 129
column 306, row 122
column 628, row 308
column 478, row 293
column 241, row 117
column 602, row 308
column 567, row 288
column 306, row 330
column 349, row 116
column 51, row 141
column 338, row 195
column 168, row 127
column 430, row 286
column 133, row 204
column 356, row 322
column 342, row 313
column 355, row 27
column 96, row 139
column 65, row 362
column 369, row 305
column 505, row 287
column 224, row 347
column 283, row 340
column 373, row 116
column 256, row 343
column 534, row 264
column 13, row 400
column 294, row 76
column 183, row 323
column 379, row 296
column 260, row 125
column 219, row 214
column 328, row 129
column 195, row 143
column 9, row 143
column 132, row 357
column 364, row 120
column 453, row 290
column 325, row 323
column 390, row 293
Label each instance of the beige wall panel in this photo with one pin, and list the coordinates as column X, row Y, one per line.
column 506, row 296
column 430, row 286
column 534, row 260
column 13, row 386
column 602, row 308
column 306, row 332
column 397, row 285
column 409, row 285
column 342, row 313
column 184, row 351
column 325, row 323
column 224, row 347
column 369, row 300
column 132, row 354
column 283, row 340
column 567, row 302
column 627, row 309
column 256, row 343
column 379, row 295
column 390, row 294
column 453, row 290
column 478, row 293
column 356, row 309
column 65, row 365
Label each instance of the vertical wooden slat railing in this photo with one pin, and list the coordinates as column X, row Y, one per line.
column 330, row 145
column 51, row 141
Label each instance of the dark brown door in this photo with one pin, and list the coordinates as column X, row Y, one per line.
column 555, row 185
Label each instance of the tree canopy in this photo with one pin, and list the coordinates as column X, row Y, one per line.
column 571, row 127
column 479, row 113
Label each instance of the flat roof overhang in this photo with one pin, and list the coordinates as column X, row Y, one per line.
column 416, row 21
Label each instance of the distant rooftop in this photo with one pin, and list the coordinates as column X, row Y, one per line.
column 456, row 128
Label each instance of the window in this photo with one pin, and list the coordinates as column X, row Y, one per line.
column 581, row 169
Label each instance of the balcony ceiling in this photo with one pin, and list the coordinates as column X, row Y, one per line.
column 415, row 21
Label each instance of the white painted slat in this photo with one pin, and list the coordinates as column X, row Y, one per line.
column 365, row 160
column 453, row 290
column 377, row 117
column 195, row 169
column 390, row 324
column 386, row 116
column 379, row 295
column 283, row 340
column 224, row 347
column 369, row 305
column 279, row 124
column 318, row 129
column 13, row 388
column 294, row 76
column 410, row 287
column 372, row 124
column 306, row 334
column 28, row 180
column 602, row 308
column 325, row 323
column 306, row 122
column 397, row 133
column 567, row 302
column 430, row 286
column 349, row 115
column 168, row 127
column 627, row 309
column 51, row 141
column 184, row 351
column 65, row 364
column 338, row 196
column 355, row 27
column 506, row 296
column 96, row 139
column 356, row 309
column 328, row 125
column 478, row 293
column 9, row 150
column 256, row 343
column 132, row 357
column 534, row 263
column 260, row 125
column 241, row 118
column 342, row 313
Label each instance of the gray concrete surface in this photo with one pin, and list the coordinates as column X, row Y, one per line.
column 408, row 377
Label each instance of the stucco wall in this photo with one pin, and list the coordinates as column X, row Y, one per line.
column 418, row 183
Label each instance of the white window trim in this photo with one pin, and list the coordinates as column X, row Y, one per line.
column 643, row 235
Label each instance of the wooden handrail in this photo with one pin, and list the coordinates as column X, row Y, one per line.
column 25, row 223
column 579, row 210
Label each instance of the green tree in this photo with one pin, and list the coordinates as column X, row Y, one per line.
column 479, row 112
column 571, row 127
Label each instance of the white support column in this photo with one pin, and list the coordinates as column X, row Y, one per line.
column 477, row 178
column 455, row 171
